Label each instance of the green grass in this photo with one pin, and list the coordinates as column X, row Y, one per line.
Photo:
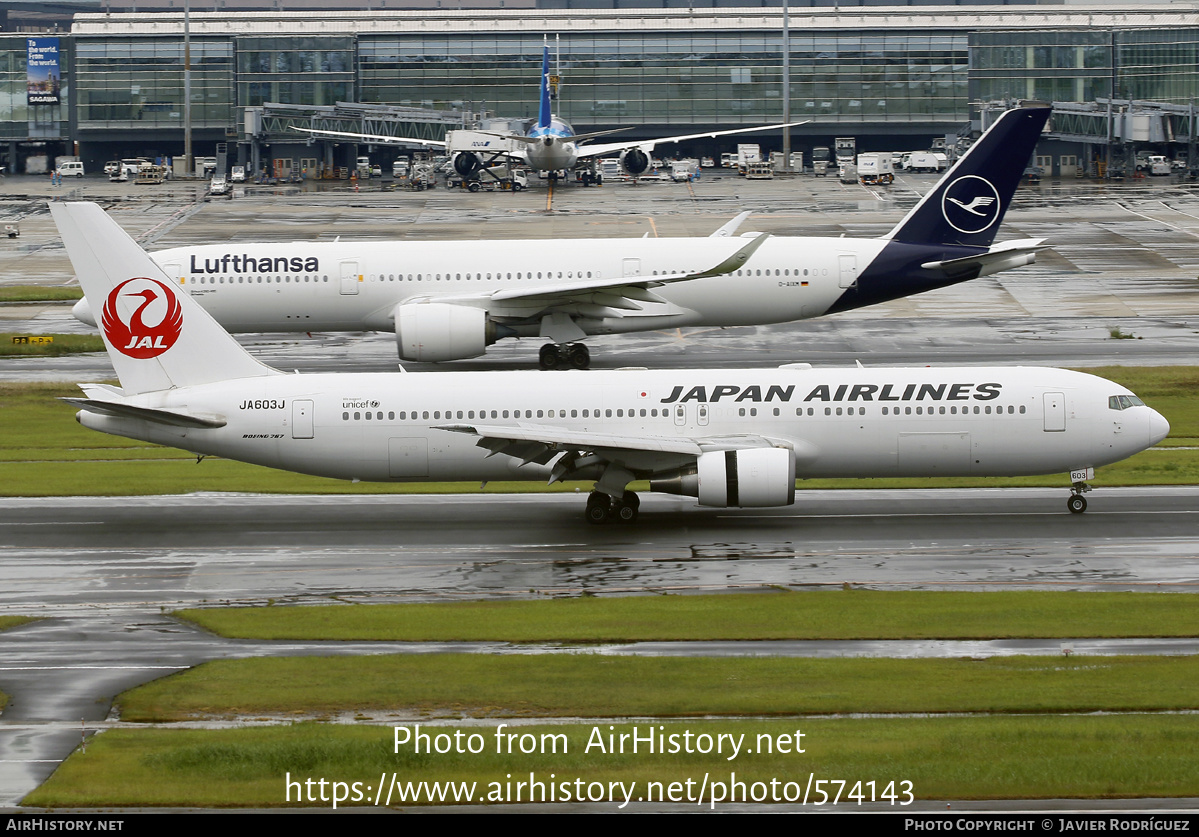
column 44, row 453
column 64, row 344
column 39, row 293
column 7, row 622
column 586, row 685
column 854, row 614
column 943, row 758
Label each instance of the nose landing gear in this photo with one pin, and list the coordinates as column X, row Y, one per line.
column 1077, row 504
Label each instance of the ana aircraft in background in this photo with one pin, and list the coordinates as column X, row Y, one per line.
column 727, row 437
column 450, row 300
column 551, row 145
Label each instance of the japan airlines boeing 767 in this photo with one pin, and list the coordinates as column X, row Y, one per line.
column 727, row 437
column 449, row 300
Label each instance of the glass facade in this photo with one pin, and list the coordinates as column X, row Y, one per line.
column 138, row 83
column 295, row 70
column 1058, row 66
column 726, row 77
column 717, row 73
column 1160, row 65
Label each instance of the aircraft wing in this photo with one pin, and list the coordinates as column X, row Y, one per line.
column 648, row 145
column 577, row 450
column 374, row 138
column 616, row 296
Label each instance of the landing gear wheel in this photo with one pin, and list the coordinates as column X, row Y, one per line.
column 549, row 356
column 599, row 508
column 1077, row 503
column 578, row 355
column 626, row 508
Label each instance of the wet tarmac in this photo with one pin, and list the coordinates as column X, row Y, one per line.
column 102, row 573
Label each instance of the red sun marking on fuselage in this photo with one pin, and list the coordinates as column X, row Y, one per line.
column 136, row 339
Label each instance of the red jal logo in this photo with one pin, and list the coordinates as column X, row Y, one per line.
column 135, row 338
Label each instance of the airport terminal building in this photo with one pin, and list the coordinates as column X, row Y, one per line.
column 891, row 76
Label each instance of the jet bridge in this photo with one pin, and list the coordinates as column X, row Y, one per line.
column 268, row 131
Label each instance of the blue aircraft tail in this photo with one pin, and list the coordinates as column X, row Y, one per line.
column 968, row 204
column 544, row 115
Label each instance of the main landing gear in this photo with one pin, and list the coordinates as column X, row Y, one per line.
column 561, row 355
column 604, row 509
column 1077, row 503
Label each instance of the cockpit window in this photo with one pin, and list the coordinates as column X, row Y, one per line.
column 1123, row 402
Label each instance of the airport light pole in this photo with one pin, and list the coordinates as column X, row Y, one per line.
column 786, row 86
column 187, row 90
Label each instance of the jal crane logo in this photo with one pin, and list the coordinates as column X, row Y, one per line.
column 153, row 327
column 971, row 204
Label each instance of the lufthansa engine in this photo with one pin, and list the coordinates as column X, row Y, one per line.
column 634, row 161
column 753, row 477
column 434, row 331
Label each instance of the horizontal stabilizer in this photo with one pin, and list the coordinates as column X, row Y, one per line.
column 1000, row 257
column 175, row 418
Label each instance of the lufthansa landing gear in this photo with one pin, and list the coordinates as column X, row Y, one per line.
column 604, row 509
column 564, row 355
column 1077, row 503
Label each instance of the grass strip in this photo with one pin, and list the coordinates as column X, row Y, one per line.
column 832, row 614
column 64, row 344
column 587, row 685
column 40, row 293
column 943, row 758
column 43, row 453
column 7, row 622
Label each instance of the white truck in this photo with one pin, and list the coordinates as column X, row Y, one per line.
column 747, row 153
column 923, row 161
column 820, row 160
column 846, row 148
column 875, row 169
column 682, row 171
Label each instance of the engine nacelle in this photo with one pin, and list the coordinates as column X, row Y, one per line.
column 434, row 331
column 634, row 161
column 466, row 163
column 749, row 478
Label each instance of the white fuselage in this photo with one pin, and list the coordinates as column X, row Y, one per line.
column 356, row 286
column 871, row 422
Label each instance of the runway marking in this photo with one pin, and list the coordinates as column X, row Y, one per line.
column 1158, row 220
column 90, row 668
column 940, row 514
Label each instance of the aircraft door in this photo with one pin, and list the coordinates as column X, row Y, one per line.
column 630, row 267
column 1055, row 412
column 847, row 266
column 702, row 414
column 301, row 419
column 350, row 278
column 175, row 271
column 680, row 415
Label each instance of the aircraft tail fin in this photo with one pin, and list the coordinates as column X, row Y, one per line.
column 157, row 337
column 545, row 113
column 968, row 204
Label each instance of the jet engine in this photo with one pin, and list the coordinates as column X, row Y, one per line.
column 466, row 163
column 752, row 477
column 634, row 161
column 434, row 331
